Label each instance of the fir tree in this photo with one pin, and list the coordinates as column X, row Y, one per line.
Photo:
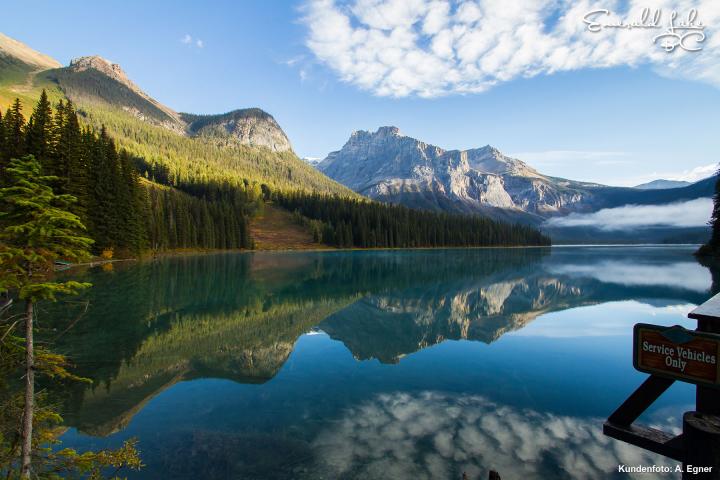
column 14, row 124
column 37, row 230
column 712, row 248
column 39, row 136
column 103, row 180
column 2, row 147
column 71, row 158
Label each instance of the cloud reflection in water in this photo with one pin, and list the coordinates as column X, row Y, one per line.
column 693, row 275
column 437, row 435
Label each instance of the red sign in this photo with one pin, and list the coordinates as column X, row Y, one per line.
column 677, row 353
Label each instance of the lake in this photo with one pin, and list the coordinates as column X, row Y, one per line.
column 372, row 364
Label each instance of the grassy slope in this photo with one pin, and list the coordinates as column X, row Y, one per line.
column 275, row 229
column 17, row 80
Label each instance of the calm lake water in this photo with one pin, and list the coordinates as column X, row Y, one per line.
column 374, row 364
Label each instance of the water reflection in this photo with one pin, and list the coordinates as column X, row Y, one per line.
column 484, row 307
column 434, row 435
column 237, row 317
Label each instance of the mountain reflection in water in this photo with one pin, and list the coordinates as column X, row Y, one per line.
column 238, row 317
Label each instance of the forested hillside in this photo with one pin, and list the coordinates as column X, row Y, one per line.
column 347, row 222
column 148, row 178
column 158, row 138
column 128, row 213
column 121, row 211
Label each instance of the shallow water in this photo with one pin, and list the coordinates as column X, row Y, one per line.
column 374, row 364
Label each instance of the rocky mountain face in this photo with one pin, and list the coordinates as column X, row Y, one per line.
column 246, row 143
column 97, row 79
column 389, row 166
column 94, row 76
column 250, row 126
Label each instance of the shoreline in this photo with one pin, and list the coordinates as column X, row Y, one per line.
column 151, row 256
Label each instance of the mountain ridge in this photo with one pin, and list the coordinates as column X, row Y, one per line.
column 251, row 147
column 249, row 126
column 10, row 47
column 662, row 183
column 389, row 166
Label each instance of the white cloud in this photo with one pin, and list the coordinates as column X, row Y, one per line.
column 188, row 39
column 695, row 174
column 693, row 213
column 290, row 62
column 429, row 48
column 433, row 435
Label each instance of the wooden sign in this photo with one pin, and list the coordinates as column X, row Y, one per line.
column 677, row 353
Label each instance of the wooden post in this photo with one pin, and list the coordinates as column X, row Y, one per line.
column 707, row 399
column 701, row 429
column 701, row 434
column 698, row 448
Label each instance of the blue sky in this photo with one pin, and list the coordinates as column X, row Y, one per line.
column 621, row 114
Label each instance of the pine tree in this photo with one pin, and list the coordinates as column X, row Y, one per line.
column 135, row 211
column 2, row 147
column 37, row 230
column 104, row 190
column 39, row 136
column 119, row 210
column 71, row 158
column 14, row 132
column 712, row 248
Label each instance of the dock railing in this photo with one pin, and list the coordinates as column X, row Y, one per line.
column 698, row 446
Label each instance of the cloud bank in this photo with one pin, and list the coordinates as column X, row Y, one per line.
column 429, row 48
column 693, row 213
column 694, row 174
column 435, row 435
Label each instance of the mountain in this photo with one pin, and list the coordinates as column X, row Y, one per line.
column 314, row 161
column 229, row 165
column 662, row 184
column 11, row 48
column 389, row 166
column 250, row 126
column 95, row 79
column 245, row 145
column 19, row 65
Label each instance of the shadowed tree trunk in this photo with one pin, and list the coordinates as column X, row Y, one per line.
column 27, row 426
